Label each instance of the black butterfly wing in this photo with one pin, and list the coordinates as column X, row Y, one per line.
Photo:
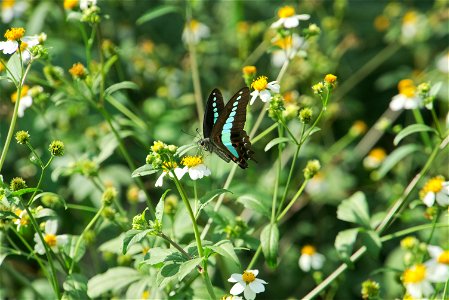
column 214, row 107
column 228, row 133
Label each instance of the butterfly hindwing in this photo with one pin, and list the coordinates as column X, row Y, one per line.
column 214, row 108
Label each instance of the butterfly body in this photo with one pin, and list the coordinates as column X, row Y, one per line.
column 223, row 128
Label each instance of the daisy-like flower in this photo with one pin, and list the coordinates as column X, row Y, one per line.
column 26, row 100
column 11, row 9
column 416, row 281
column 407, row 97
column 27, row 43
column 409, row 27
column 247, row 283
column 51, row 239
column 289, row 46
column 310, row 259
column 12, row 36
column 263, row 88
column 231, row 297
column 438, row 265
column 85, row 4
column 179, row 172
column 443, row 63
column 194, row 31
column 435, row 189
column 375, row 158
column 288, row 18
column 23, row 219
column 195, row 167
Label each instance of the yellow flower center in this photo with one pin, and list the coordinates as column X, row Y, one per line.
column 408, row 92
column 2, row 67
column 69, row 4
column 50, row 239
column 286, row 11
column 145, row 250
column 8, row 4
column 308, row 250
column 444, row 258
column 248, row 277
column 147, row 46
column 381, row 23
column 167, row 166
column 330, row 78
column 404, row 83
column 14, row 34
column 409, row 242
column 284, row 43
column 359, row 127
column 25, row 89
column 434, row 185
column 157, row 146
column 77, row 70
column 192, row 161
column 193, row 25
column 249, row 70
column 260, row 83
column 415, row 274
column 378, row 154
column 145, row 294
column 23, row 46
column 410, row 17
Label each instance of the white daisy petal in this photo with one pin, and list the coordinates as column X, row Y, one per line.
column 414, row 290
column 442, row 199
column 9, row 47
column 235, row 278
column 397, row 102
column 255, row 272
column 238, row 288
column 62, row 240
column 291, row 22
column 249, row 293
column 305, row 262
column 277, row 24
column 317, row 261
column 257, row 287
column 303, row 17
column 160, row 180
column 254, row 95
column 434, row 251
column 411, row 103
column 274, row 86
column 427, row 288
column 429, row 199
column 51, row 226
column 265, row 95
column 261, row 281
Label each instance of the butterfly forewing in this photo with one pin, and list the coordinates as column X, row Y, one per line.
column 214, row 109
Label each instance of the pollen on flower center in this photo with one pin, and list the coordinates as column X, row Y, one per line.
column 284, row 43
column 14, row 34
column 248, row 277
column 192, row 161
column 308, row 250
column 444, row 258
column 50, row 239
column 24, row 91
column 409, row 91
column 434, row 185
column 286, row 11
column 414, row 275
column 260, row 83
column 378, row 153
column 169, row 166
column 8, row 4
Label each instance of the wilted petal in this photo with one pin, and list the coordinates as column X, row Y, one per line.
column 238, row 288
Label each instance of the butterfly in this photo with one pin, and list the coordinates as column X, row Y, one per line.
column 223, row 128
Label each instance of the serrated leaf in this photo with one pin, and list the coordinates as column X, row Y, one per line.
column 395, row 157
column 158, row 255
column 269, row 240
column 133, row 236
column 250, row 202
column 187, row 267
column 355, row 210
column 344, row 243
column 143, row 171
column 410, row 130
column 372, row 242
column 157, row 12
column 24, row 191
column 112, row 280
column 226, row 249
column 128, row 85
column 276, row 141
column 75, row 286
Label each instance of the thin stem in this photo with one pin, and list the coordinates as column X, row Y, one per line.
column 40, row 181
column 290, row 204
column 195, row 199
column 424, row 134
column 179, row 248
column 35, row 154
column 435, row 219
column 290, row 173
column 263, row 133
column 125, row 111
column 437, row 122
column 255, row 257
column 278, row 175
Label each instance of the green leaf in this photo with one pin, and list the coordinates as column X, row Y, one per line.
column 276, row 141
column 133, row 236
column 208, row 197
column 345, row 242
column 45, row 213
column 187, row 267
column 112, row 280
column 252, row 203
column 396, row 156
column 14, row 67
column 4, row 214
column 143, row 171
column 225, row 249
column 23, row 191
column 69, row 248
column 129, row 85
column 410, row 130
column 160, row 206
column 372, row 242
column 435, row 88
column 269, row 239
column 157, row 12
column 355, row 210
column 170, row 269
column 75, row 286
column 314, row 130
column 158, row 255
column 3, row 255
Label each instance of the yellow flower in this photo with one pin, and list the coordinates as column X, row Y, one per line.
column 381, row 23
column 435, row 189
column 286, row 11
column 375, row 158
column 14, row 34
column 308, row 249
column 249, row 70
column 25, row 89
column 359, row 127
column 330, row 79
column 70, row 4
column 78, row 70
column 415, row 274
column 192, row 161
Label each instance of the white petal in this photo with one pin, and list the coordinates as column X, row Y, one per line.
column 414, row 290
column 257, row 287
column 437, row 272
column 427, row 288
column 265, row 95
column 9, row 47
column 51, row 226
column 160, row 180
column 235, row 278
column 318, row 261
column 195, row 174
column 237, row 289
column 397, row 102
column 254, row 95
column 278, row 23
column 442, row 198
column 255, row 272
column 7, row 15
column 39, row 247
column 303, row 17
column 62, row 239
column 274, row 86
column 411, row 103
column 278, row 58
column 31, row 41
column 249, row 293
column 434, row 251
column 180, row 172
column 429, row 199
column 291, row 22
column 305, row 262
column 261, row 281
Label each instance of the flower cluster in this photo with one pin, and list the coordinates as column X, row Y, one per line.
column 29, row 46
column 326, row 85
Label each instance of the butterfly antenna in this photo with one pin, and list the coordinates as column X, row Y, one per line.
column 192, row 135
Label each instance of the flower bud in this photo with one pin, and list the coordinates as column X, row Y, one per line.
column 108, row 213
column 108, row 196
column 312, row 167
column 330, row 79
column 139, row 222
column 170, row 204
column 56, row 148
column 22, row 137
column 370, row 289
column 78, row 71
column 305, row 115
column 409, row 242
column 17, row 183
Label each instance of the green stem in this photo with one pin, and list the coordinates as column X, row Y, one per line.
column 435, row 219
column 263, row 133
column 290, row 173
column 278, row 176
column 40, row 181
column 195, row 195
column 80, row 238
column 290, row 204
column 82, row 208
column 255, row 257
column 125, row 111
column 35, row 154
column 408, row 231
column 184, row 198
column 179, row 248
column 437, row 122
column 424, row 134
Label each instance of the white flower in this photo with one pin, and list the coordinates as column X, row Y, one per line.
column 195, row 167
column 23, row 219
column 375, row 158
column 409, row 27
column 435, row 189
column 179, row 172
column 407, row 97
column 443, row 63
column 288, row 19
column 438, row 265
column 11, row 9
column 27, row 43
column 263, row 88
column 416, row 281
column 51, row 239
column 289, row 48
column 26, row 100
column 310, row 259
column 85, row 4
column 9, row 47
column 247, row 283
column 194, row 31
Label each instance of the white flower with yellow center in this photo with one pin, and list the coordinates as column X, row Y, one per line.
column 12, row 36
column 85, row 4
column 407, row 97
column 179, row 172
column 231, row 297
column 435, row 189
column 289, row 47
column 443, row 63
column 263, row 88
column 374, row 159
column 438, row 265
column 26, row 100
column 51, row 239
column 195, row 167
column 416, row 281
column 11, row 9
column 310, row 259
column 288, row 18
column 23, row 219
column 247, row 283
column 194, row 31
column 409, row 27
